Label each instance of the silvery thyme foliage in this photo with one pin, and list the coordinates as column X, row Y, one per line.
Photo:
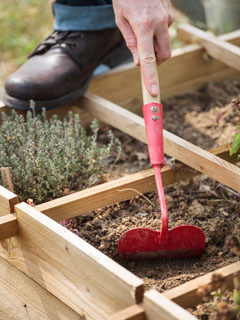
column 48, row 156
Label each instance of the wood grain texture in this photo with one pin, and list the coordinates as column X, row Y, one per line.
column 223, row 51
column 7, row 178
column 21, row 298
column 158, row 307
column 8, row 226
column 82, row 277
column 119, row 190
column 185, row 294
column 7, row 201
column 99, row 196
column 174, row 146
column 134, row 312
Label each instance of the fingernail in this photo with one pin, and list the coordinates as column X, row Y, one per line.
column 154, row 89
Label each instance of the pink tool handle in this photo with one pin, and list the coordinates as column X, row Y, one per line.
column 154, row 129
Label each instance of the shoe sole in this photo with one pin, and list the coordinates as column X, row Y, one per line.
column 116, row 57
column 48, row 104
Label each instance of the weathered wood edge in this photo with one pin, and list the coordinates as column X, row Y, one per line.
column 158, row 307
column 78, row 274
column 185, row 295
column 134, row 312
column 24, row 299
column 155, row 306
column 223, row 51
column 8, row 226
column 7, row 201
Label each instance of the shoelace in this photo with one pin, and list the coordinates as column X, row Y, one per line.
column 62, row 39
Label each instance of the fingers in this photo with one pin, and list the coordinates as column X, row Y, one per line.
column 130, row 39
column 162, row 44
column 147, row 62
column 168, row 8
column 144, row 26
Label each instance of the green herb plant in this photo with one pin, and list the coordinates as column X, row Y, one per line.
column 50, row 156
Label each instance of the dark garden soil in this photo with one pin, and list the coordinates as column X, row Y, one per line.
column 199, row 201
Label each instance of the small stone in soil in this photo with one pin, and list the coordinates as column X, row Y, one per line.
column 143, row 214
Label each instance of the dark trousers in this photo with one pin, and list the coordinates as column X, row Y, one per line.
column 83, row 15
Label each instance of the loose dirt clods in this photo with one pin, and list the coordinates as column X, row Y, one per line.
column 199, row 201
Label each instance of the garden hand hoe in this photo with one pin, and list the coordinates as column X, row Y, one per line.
column 144, row 243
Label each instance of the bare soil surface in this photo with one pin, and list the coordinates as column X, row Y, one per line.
column 202, row 118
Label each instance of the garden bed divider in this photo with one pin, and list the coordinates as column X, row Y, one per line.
column 174, row 146
column 7, row 201
column 215, row 47
column 8, row 226
column 186, row 294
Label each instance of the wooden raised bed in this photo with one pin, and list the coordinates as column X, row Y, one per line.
column 47, row 272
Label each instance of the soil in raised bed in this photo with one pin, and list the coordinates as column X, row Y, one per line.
column 195, row 117
column 199, row 201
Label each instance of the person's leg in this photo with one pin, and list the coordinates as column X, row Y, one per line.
column 58, row 71
column 84, row 15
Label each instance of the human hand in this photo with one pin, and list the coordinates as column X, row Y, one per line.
column 144, row 25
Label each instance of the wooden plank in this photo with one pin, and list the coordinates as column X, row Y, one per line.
column 7, row 201
column 8, row 226
column 158, row 307
column 174, row 146
column 134, row 312
column 7, row 178
column 186, row 294
column 21, row 298
column 119, row 190
column 185, row 71
column 99, row 196
column 215, row 47
column 85, row 279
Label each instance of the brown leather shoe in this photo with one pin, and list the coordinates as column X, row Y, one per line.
column 58, row 71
